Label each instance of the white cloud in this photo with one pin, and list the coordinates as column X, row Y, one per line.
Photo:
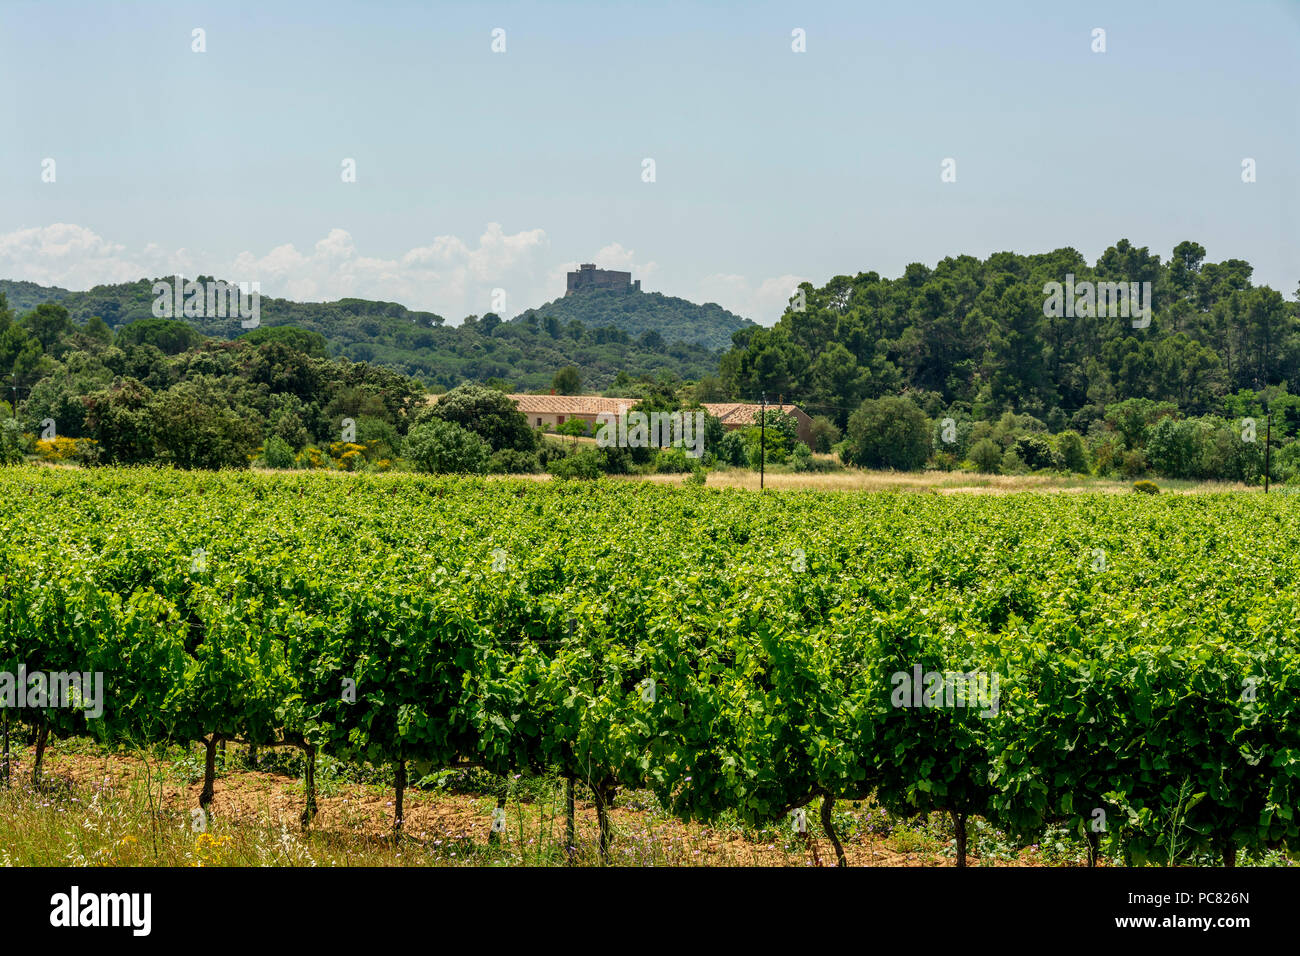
column 73, row 256
column 448, row 276
column 764, row 302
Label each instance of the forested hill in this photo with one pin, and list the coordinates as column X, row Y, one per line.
column 971, row 337
column 25, row 296
column 637, row 313
column 520, row 354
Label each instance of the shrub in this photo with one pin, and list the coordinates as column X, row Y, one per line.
column 615, row 460
column 961, row 432
column 779, row 423
column 824, row 434
column 379, row 437
column 986, row 456
column 888, row 432
column 56, row 449
column 1186, row 448
column 1008, row 428
column 775, row 439
column 11, row 442
column 673, row 461
column 1035, row 451
column 944, row 460
column 801, row 457
column 276, row 453
column 1229, row 458
column 309, row 457
column 1106, row 454
column 440, row 447
column 1013, row 464
column 770, row 445
column 86, row 453
column 1133, row 464
column 731, row 450
column 509, row 461
column 583, row 465
column 348, row 456
column 1146, row 487
column 1286, row 462
column 549, row 451
column 1071, row 453
column 818, row 464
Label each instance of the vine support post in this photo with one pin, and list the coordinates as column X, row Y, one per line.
column 309, row 782
column 399, row 785
column 42, row 737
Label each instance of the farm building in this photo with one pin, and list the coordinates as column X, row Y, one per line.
column 555, row 410
column 741, row 415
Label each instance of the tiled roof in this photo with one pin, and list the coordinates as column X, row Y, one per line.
column 739, row 413
column 730, row 413
column 570, row 404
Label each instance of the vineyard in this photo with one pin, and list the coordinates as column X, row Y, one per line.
column 730, row 652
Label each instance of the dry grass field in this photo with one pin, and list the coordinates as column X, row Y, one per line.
column 942, row 482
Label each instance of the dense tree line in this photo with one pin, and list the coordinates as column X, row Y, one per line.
column 972, row 338
column 972, row 364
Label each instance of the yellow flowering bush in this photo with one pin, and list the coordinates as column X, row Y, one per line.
column 56, row 449
column 348, row 456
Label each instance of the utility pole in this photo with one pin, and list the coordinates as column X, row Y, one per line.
column 762, row 439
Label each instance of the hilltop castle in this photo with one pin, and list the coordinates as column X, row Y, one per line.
column 589, row 277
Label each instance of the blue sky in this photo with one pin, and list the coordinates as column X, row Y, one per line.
column 479, row 170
